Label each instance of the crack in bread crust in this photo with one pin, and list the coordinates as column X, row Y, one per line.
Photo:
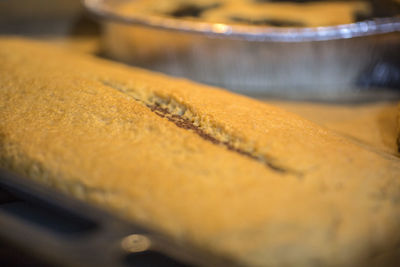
column 188, row 125
column 182, row 117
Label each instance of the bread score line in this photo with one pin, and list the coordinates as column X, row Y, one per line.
column 232, row 175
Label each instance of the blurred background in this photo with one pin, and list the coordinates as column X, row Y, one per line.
column 44, row 17
column 64, row 22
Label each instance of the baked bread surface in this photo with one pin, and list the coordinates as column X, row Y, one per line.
column 263, row 12
column 235, row 176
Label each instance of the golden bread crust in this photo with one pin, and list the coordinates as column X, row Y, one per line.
column 272, row 190
column 398, row 128
column 273, row 13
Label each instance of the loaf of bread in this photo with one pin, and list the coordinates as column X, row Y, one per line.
column 239, row 178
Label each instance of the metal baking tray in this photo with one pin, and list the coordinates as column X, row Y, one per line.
column 357, row 61
column 42, row 227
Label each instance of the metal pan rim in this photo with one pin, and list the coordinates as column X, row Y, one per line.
column 248, row 32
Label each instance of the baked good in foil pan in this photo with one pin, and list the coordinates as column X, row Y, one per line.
column 278, row 13
column 314, row 50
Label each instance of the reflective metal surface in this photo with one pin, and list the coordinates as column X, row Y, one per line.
column 355, row 61
column 107, row 9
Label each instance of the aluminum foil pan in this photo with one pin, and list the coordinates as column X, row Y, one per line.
column 355, row 61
